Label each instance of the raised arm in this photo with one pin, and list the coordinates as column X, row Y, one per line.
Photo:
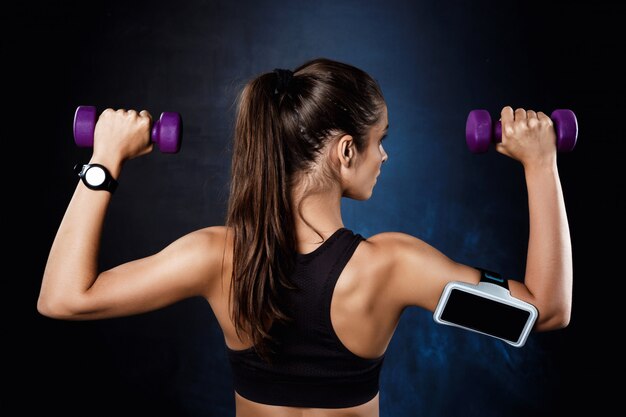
column 72, row 286
column 421, row 272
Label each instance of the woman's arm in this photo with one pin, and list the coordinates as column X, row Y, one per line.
column 421, row 272
column 72, row 287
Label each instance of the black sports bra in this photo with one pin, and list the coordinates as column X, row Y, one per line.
column 311, row 368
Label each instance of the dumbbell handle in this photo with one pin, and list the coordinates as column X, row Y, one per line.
column 166, row 132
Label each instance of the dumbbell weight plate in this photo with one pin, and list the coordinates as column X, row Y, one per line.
column 167, row 132
column 84, row 124
column 478, row 131
column 566, row 128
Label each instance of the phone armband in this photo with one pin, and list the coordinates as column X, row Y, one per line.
column 487, row 308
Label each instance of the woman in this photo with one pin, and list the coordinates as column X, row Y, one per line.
column 307, row 307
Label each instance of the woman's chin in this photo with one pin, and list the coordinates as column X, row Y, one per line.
column 368, row 195
column 362, row 195
column 359, row 197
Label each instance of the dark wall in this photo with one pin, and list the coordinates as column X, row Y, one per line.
column 435, row 62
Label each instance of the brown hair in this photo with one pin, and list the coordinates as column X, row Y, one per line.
column 279, row 140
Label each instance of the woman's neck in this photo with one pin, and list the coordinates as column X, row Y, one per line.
column 323, row 212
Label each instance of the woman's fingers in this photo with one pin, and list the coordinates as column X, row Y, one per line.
column 506, row 116
column 145, row 113
column 531, row 116
column 543, row 118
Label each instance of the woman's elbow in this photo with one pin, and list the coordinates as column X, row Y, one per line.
column 55, row 308
column 554, row 319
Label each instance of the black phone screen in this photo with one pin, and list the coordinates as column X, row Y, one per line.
column 485, row 315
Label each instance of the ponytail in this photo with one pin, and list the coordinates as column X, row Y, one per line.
column 259, row 212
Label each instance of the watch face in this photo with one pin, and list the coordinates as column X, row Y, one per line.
column 95, row 176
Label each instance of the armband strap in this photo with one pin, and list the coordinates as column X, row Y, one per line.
column 493, row 278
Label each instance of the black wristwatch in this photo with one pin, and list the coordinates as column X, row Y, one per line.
column 96, row 177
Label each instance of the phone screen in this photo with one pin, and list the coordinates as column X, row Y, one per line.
column 485, row 315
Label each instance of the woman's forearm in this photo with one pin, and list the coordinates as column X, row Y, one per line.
column 72, row 265
column 549, row 262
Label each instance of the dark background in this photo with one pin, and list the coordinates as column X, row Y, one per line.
column 435, row 61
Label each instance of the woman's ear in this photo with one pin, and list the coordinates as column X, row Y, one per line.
column 346, row 151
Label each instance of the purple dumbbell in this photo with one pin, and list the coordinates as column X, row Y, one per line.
column 480, row 132
column 166, row 132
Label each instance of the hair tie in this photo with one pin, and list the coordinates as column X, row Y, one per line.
column 283, row 77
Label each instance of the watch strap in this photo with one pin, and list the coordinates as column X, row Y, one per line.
column 110, row 183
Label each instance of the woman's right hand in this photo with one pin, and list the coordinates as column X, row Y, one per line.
column 528, row 137
column 121, row 135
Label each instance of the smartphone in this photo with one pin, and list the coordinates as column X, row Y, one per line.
column 488, row 309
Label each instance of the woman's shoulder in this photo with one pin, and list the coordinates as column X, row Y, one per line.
column 210, row 248
column 208, row 243
column 397, row 251
column 209, row 235
column 394, row 242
